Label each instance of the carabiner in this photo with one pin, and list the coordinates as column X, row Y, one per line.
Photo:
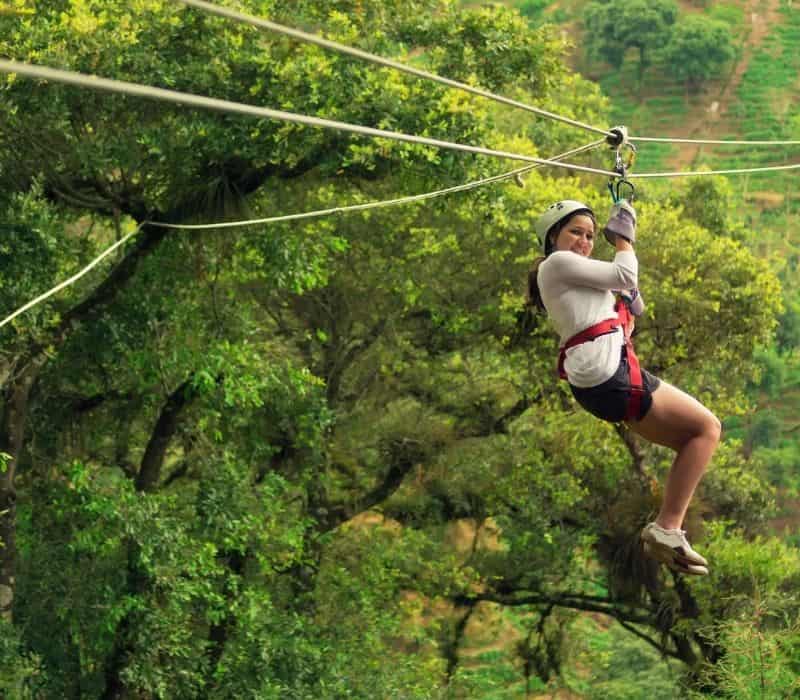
column 615, row 188
column 621, row 167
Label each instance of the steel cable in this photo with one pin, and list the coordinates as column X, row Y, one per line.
column 376, row 205
column 184, row 98
column 379, row 60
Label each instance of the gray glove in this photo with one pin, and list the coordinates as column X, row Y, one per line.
column 634, row 301
column 621, row 222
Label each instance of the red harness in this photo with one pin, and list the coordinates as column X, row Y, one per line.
column 623, row 320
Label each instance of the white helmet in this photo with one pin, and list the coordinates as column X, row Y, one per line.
column 554, row 214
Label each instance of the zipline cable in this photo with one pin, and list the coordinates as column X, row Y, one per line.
column 736, row 171
column 386, row 62
column 711, row 142
column 376, row 205
column 188, row 99
column 74, row 278
column 306, row 37
column 183, row 98
column 290, row 217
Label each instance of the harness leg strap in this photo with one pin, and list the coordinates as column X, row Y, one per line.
column 637, row 387
column 634, row 368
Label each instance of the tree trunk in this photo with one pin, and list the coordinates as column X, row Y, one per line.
column 116, row 689
column 220, row 632
column 147, row 479
column 14, row 409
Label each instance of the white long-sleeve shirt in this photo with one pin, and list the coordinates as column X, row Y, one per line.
column 576, row 292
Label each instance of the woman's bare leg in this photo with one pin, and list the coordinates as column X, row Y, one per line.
column 678, row 421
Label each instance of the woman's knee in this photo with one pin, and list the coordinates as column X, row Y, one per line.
column 713, row 428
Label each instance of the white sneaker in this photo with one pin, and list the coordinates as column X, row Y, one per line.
column 671, row 547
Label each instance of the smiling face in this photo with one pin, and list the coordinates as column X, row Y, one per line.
column 576, row 235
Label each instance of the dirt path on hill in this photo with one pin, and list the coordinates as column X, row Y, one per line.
column 789, row 520
column 710, row 116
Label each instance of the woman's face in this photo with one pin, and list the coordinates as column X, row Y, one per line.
column 577, row 235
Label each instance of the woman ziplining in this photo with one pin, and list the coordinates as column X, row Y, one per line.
column 592, row 305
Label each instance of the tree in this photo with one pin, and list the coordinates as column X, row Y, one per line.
column 612, row 29
column 697, row 49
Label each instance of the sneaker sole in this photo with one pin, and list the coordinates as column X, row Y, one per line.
column 677, row 553
column 670, row 558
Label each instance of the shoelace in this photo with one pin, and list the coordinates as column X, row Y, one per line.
column 675, row 531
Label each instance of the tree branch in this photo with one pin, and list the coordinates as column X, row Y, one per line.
column 574, row 601
column 652, row 642
column 501, row 424
column 165, row 428
column 450, row 649
column 634, row 448
column 405, row 456
column 340, row 365
column 147, row 241
column 85, row 404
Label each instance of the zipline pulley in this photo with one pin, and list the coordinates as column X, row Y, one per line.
column 618, row 140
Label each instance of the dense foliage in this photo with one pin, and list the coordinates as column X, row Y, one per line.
column 696, row 46
column 236, row 463
column 642, row 25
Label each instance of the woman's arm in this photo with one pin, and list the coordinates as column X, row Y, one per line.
column 623, row 244
column 634, row 296
column 621, row 273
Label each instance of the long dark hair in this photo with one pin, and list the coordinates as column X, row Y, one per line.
column 533, row 297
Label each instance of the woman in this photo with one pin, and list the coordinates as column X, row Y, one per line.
column 598, row 361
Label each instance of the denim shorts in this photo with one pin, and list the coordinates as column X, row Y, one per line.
column 609, row 400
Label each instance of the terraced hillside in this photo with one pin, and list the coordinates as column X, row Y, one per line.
column 756, row 96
